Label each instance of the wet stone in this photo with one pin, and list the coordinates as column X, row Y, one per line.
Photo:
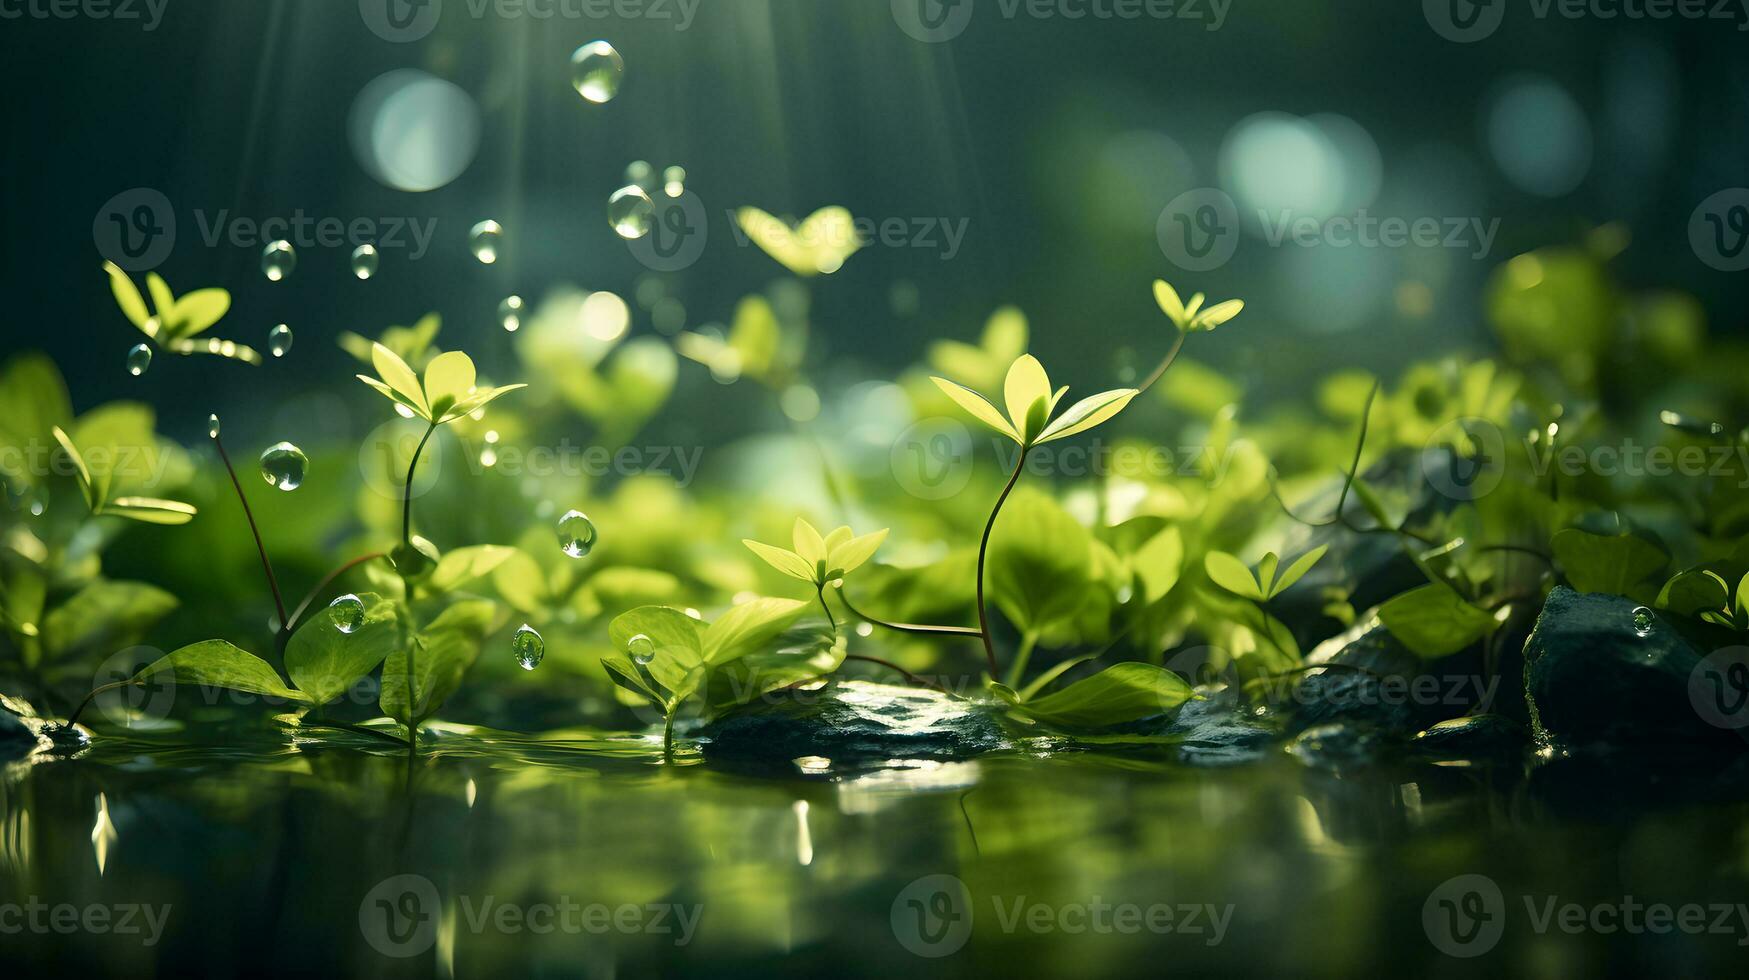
column 858, row 721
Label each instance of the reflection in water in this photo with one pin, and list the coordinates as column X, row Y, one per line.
column 579, row 853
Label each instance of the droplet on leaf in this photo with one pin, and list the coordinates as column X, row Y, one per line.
column 347, row 612
column 283, row 466
column 642, row 649
column 529, row 648
column 576, row 534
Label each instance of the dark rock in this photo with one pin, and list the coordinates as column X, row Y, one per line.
column 1340, row 746
column 1590, row 677
column 1219, row 730
column 17, row 738
column 1474, row 737
column 857, row 721
column 1372, row 678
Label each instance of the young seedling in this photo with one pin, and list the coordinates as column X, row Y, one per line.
column 174, row 322
column 1230, row 574
column 821, row 561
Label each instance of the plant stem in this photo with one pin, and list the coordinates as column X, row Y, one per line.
column 907, row 627
column 1017, row 670
column 820, row 593
column 913, row 678
column 668, row 734
column 261, row 549
column 1171, row 356
column 983, row 553
column 327, row 580
column 407, row 489
column 74, row 720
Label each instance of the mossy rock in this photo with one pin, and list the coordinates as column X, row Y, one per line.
column 1591, row 677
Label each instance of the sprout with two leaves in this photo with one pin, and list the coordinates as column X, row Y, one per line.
column 448, row 392
column 820, row 561
column 174, row 322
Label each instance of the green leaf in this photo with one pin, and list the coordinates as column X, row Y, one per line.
column 977, row 407
column 1121, row 693
column 104, row 615
column 792, row 657
column 151, row 510
column 748, row 628
column 1374, row 504
column 1040, row 562
column 1026, row 385
column 1088, row 413
column 463, row 565
column 1297, row 570
column 1615, row 565
column 1695, row 591
column 215, row 663
column 1230, row 573
column 1434, row 620
column 323, row 661
column 420, row 675
column 785, row 561
column 849, row 555
column 621, row 671
column 678, row 661
column 1158, row 563
column 1266, row 573
column 80, row 470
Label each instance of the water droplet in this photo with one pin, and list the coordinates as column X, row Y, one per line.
column 596, row 71
column 347, row 612
column 510, row 313
column 576, row 534
column 365, row 261
column 1643, row 621
column 278, row 260
column 639, row 173
column 529, row 648
column 279, row 340
column 484, row 239
column 674, row 181
column 283, row 465
column 139, row 359
column 212, row 426
column 642, row 648
column 629, row 211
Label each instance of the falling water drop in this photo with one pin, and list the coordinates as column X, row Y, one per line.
column 596, row 71
column 629, row 211
column 510, row 313
column 576, row 534
column 365, row 261
column 642, row 649
column 347, row 612
column 1643, row 621
column 278, row 260
column 484, row 239
column 639, row 173
column 139, row 359
column 279, row 340
column 674, row 181
column 212, row 426
column 283, row 465
column 529, row 648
